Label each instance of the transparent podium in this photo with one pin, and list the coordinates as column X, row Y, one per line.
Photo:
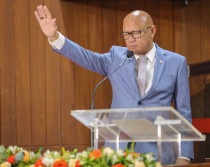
column 160, row 125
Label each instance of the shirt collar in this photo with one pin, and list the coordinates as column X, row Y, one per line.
column 150, row 55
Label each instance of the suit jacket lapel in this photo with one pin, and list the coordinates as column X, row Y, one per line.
column 159, row 66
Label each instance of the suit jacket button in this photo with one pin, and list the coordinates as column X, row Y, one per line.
column 139, row 102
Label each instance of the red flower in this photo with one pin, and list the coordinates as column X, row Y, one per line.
column 77, row 163
column 39, row 163
column 118, row 165
column 11, row 159
column 60, row 163
column 95, row 154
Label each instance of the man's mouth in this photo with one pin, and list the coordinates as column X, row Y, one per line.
column 132, row 47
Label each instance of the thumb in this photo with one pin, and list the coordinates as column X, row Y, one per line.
column 54, row 21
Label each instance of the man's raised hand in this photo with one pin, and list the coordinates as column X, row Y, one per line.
column 46, row 22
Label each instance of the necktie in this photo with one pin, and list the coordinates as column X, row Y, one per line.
column 141, row 79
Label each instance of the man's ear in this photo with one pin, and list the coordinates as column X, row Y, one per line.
column 153, row 31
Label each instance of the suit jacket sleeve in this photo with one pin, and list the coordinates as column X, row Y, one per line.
column 93, row 61
column 182, row 104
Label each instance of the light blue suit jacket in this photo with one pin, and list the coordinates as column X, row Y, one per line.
column 170, row 81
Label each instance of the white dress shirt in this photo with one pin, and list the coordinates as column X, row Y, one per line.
column 58, row 43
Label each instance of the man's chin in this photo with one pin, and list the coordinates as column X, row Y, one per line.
column 131, row 49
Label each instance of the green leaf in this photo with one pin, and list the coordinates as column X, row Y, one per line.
column 63, row 151
column 39, row 150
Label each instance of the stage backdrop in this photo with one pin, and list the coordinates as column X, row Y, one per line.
column 38, row 87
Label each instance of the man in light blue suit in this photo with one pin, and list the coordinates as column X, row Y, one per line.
column 166, row 76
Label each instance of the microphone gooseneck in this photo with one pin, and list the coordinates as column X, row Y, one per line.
column 129, row 55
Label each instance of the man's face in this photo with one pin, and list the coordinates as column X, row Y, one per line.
column 142, row 45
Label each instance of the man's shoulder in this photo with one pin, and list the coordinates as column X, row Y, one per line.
column 115, row 47
column 119, row 50
column 169, row 54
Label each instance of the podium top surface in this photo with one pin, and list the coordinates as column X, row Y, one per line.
column 139, row 124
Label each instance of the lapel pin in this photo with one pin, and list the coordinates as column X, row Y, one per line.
column 161, row 61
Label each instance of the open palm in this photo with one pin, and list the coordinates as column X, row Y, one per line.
column 46, row 22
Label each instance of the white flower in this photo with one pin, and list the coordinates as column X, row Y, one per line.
column 12, row 149
column 108, row 151
column 129, row 157
column 72, row 156
column 47, row 152
column 32, row 154
column 56, row 153
column 120, row 153
column 72, row 162
column 47, row 160
column 82, row 162
column 82, row 155
column 114, row 159
column 139, row 164
column 139, row 158
column 149, row 157
column 5, row 164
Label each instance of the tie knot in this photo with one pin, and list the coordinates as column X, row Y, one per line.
column 142, row 58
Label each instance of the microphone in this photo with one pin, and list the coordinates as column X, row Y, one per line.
column 129, row 55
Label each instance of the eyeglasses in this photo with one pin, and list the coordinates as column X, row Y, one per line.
column 134, row 34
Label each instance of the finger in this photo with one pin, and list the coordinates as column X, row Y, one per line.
column 47, row 12
column 41, row 12
column 37, row 16
column 54, row 21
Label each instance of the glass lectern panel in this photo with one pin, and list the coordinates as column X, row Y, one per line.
column 163, row 125
column 138, row 124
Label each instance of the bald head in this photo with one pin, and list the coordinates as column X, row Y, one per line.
column 139, row 18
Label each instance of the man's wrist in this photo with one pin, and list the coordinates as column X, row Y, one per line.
column 59, row 42
column 54, row 38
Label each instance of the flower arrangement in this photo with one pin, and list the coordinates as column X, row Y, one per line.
column 14, row 156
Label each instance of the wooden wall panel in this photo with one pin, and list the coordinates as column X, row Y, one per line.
column 38, row 79
column 110, row 33
column 192, row 42
column 193, row 32
column 123, row 8
column 95, row 31
column 205, row 35
column 110, row 37
column 67, row 79
column 152, row 7
column 80, row 29
column 82, row 80
column 165, row 25
column 137, row 5
column 7, row 69
column 177, row 26
column 95, row 22
column 53, row 116
column 22, row 64
column 184, row 30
